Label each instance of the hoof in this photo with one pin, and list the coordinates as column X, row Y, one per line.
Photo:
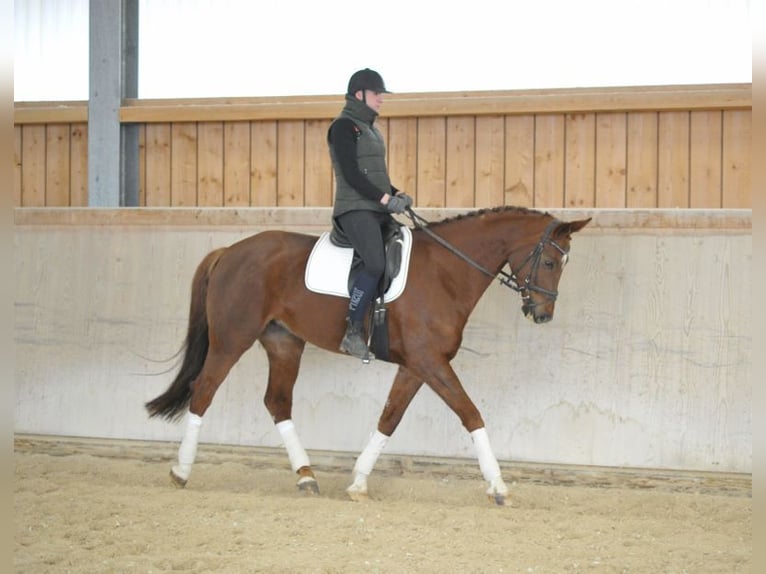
column 308, row 485
column 498, row 499
column 357, row 495
column 177, row 481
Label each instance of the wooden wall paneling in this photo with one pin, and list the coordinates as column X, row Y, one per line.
column 142, row 165
column 673, row 160
column 549, row 161
column 432, row 162
column 705, row 159
column 402, row 148
column 611, row 159
column 580, row 162
column 157, row 168
column 210, row 164
column 490, row 168
column 236, row 167
column 183, row 164
column 460, row 161
column 736, row 163
column 33, row 166
column 17, row 155
column 520, row 161
column 642, row 160
column 78, row 188
column 291, row 152
column 57, row 157
column 318, row 180
column 263, row 163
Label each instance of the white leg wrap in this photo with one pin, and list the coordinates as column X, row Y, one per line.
column 490, row 469
column 187, row 452
column 295, row 451
column 370, row 454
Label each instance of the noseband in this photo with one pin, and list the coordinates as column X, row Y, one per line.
column 534, row 258
column 509, row 280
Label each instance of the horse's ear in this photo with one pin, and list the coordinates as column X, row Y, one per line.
column 571, row 227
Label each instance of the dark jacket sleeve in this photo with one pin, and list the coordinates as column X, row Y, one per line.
column 342, row 138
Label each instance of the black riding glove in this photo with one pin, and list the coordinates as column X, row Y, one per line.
column 397, row 203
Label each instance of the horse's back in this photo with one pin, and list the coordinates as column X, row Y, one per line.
column 271, row 244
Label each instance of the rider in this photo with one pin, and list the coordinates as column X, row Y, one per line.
column 364, row 196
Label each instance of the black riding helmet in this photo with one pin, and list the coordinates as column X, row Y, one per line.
column 366, row 79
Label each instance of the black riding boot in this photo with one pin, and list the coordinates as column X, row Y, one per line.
column 362, row 294
column 353, row 341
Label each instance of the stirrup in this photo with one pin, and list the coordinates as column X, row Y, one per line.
column 353, row 343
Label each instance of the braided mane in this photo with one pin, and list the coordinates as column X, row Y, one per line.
column 484, row 211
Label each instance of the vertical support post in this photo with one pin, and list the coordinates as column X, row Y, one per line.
column 112, row 148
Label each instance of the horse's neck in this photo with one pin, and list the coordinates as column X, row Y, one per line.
column 491, row 240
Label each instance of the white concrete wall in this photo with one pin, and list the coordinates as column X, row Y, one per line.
column 647, row 362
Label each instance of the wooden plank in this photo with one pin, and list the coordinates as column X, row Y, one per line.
column 736, row 154
column 33, row 166
column 142, row 165
column 705, row 159
column 79, row 165
column 611, row 159
column 402, row 146
column 291, row 151
column 549, row 161
column 183, row 164
column 439, row 104
column 617, row 221
column 319, row 188
column 580, row 162
column 17, row 154
column 642, row 159
column 210, row 164
column 460, row 162
column 236, row 167
column 673, row 160
column 432, row 159
column 263, row 163
column 490, row 153
column 57, row 153
column 520, row 161
column 158, row 165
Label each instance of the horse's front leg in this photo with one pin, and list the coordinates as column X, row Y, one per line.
column 284, row 351
column 403, row 389
column 446, row 384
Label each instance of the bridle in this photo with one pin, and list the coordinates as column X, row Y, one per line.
column 509, row 280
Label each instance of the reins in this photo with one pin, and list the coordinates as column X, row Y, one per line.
column 509, row 280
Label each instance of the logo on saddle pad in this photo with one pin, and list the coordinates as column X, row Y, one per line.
column 329, row 266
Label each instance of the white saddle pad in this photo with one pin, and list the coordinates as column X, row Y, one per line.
column 328, row 267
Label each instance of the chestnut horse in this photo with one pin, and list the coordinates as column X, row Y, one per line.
column 253, row 290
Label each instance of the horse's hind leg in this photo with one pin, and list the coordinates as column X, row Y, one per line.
column 284, row 351
column 214, row 371
column 403, row 389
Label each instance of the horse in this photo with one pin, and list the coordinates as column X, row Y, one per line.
column 251, row 291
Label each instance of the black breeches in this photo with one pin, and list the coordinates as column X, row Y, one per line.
column 364, row 230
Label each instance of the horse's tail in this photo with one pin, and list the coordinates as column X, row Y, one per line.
column 173, row 402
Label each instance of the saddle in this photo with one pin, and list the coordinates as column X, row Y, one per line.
column 392, row 240
column 333, row 265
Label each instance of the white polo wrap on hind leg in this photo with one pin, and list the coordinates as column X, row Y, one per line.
column 370, row 454
column 490, row 469
column 295, row 452
column 187, row 452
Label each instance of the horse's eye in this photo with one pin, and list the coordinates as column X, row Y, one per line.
column 548, row 264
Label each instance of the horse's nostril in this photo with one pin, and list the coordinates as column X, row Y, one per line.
column 543, row 318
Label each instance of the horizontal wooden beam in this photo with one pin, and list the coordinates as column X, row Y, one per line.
column 608, row 220
column 515, row 102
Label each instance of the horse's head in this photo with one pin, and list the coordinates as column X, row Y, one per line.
column 536, row 274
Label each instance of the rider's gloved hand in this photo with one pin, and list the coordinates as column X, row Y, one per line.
column 397, row 203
